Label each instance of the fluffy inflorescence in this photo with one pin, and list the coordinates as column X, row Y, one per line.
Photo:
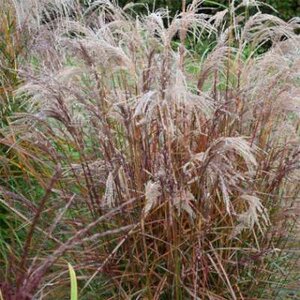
column 185, row 167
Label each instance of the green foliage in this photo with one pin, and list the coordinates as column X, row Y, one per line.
column 13, row 43
column 287, row 9
column 13, row 46
column 73, row 280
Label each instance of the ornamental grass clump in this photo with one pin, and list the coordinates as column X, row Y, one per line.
column 166, row 174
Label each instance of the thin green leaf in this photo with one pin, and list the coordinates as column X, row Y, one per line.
column 74, row 292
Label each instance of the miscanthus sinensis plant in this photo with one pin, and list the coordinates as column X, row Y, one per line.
column 167, row 175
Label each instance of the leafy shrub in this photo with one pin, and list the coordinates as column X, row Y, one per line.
column 165, row 174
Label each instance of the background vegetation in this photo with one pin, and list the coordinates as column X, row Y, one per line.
column 286, row 9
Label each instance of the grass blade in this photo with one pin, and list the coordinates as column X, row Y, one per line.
column 73, row 279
